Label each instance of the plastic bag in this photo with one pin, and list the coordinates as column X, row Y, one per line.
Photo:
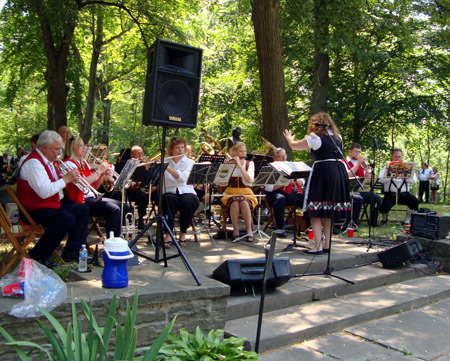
column 39, row 286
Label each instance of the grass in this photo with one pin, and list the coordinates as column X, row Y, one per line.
column 393, row 229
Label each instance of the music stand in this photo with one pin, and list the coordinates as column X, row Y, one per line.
column 206, row 173
column 211, row 158
column 160, row 221
column 293, row 171
column 122, row 181
column 355, row 186
column 265, row 177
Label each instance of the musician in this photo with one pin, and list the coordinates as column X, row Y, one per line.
column 40, row 189
column 241, row 199
column 74, row 153
column 397, row 191
column 64, row 132
column 177, row 195
column 279, row 197
column 327, row 195
column 359, row 166
column 136, row 194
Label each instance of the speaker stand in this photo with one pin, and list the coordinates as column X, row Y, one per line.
column 160, row 221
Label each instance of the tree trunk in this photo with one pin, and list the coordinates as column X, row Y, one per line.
column 85, row 127
column 266, row 25
column 319, row 94
column 104, row 92
column 57, row 56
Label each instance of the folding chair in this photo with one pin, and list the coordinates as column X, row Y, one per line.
column 13, row 194
column 19, row 236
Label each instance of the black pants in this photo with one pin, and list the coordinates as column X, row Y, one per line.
column 424, row 187
column 376, row 205
column 278, row 200
column 185, row 203
column 71, row 219
column 110, row 209
column 405, row 198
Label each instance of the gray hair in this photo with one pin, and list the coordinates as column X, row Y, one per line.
column 48, row 137
column 278, row 150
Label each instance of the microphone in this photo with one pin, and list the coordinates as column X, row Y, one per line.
column 321, row 125
column 375, row 142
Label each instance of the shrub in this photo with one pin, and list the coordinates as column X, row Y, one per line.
column 72, row 344
column 197, row 347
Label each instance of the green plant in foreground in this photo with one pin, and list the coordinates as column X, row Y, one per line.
column 197, row 347
column 72, row 344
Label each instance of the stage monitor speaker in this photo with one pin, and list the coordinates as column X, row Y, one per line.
column 395, row 256
column 429, row 226
column 172, row 85
column 250, row 272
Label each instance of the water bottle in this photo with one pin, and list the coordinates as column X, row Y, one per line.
column 82, row 265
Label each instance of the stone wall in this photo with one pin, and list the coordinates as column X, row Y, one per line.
column 159, row 302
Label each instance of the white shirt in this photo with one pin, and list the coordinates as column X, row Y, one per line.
column 35, row 174
column 397, row 184
column 183, row 168
column 424, row 174
column 250, row 171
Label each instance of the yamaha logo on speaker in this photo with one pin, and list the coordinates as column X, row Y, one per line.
column 175, row 119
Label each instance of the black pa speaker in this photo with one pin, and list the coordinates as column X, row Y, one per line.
column 395, row 256
column 250, row 272
column 429, row 226
column 172, row 85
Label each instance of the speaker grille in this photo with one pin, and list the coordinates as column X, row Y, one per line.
column 174, row 98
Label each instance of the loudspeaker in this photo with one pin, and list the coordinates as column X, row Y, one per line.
column 395, row 256
column 429, row 226
column 250, row 272
column 172, row 85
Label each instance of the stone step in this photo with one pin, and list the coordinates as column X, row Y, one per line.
column 305, row 289
column 298, row 323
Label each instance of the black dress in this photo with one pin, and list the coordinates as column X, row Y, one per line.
column 328, row 188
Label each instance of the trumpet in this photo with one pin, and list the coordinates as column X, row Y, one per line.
column 114, row 175
column 80, row 183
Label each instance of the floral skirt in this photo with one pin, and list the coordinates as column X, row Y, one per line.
column 239, row 194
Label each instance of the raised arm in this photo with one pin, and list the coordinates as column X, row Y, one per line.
column 295, row 144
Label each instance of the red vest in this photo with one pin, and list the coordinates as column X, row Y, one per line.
column 288, row 189
column 29, row 197
column 75, row 194
column 359, row 172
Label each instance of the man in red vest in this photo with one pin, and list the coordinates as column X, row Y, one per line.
column 360, row 167
column 40, row 189
column 279, row 197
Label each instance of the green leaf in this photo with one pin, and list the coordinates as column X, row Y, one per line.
column 153, row 351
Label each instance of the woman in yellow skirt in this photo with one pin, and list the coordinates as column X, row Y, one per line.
column 241, row 199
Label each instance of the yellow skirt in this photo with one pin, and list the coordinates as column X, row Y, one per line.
column 239, row 194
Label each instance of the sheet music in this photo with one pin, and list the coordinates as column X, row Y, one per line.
column 126, row 173
column 292, row 169
column 209, row 173
column 400, row 170
column 266, row 176
column 224, row 173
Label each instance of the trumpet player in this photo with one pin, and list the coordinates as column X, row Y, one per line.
column 40, row 189
column 74, row 153
column 360, row 168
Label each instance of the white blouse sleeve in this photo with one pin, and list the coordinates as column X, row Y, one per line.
column 314, row 141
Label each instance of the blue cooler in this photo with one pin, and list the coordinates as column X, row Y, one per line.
column 115, row 256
